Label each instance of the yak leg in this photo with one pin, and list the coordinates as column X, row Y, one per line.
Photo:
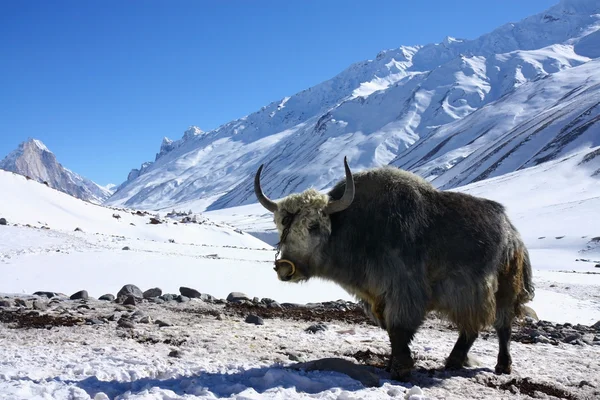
column 459, row 355
column 401, row 361
column 504, row 365
column 506, row 298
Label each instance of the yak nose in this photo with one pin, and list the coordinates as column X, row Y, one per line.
column 285, row 269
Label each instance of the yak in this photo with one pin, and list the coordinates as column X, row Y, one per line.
column 404, row 248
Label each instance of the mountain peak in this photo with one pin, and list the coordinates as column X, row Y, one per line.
column 32, row 158
column 38, row 143
column 192, row 131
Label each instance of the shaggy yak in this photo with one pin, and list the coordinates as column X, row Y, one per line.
column 404, row 248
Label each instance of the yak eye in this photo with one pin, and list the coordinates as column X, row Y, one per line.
column 286, row 220
column 313, row 228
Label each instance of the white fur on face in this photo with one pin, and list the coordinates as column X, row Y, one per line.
column 308, row 207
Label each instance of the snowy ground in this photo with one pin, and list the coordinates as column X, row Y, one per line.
column 228, row 358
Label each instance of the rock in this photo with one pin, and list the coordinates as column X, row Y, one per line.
column 176, row 353
column 542, row 339
column 182, row 299
column 150, row 293
column 129, row 300
column 168, row 297
column 6, row 303
column 207, row 298
column 236, row 297
column 596, row 325
column 316, row 328
column 530, row 312
column 157, row 300
column 358, row 372
column 254, row 319
column 597, row 265
column 82, row 294
column 220, row 317
column 274, row 305
column 45, row 294
column 107, row 297
column 3, row 221
column 125, row 323
column 155, row 221
column 189, row 292
column 162, row 323
column 39, row 305
column 21, row 302
column 256, row 300
column 78, row 229
column 572, row 337
column 266, row 300
column 130, row 290
column 291, row 305
column 145, row 320
column 126, row 248
column 295, row 356
column 94, row 321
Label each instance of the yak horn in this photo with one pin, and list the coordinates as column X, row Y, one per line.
column 343, row 203
column 264, row 200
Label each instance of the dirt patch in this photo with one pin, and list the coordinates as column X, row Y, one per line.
column 367, row 357
column 528, row 387
column 34, row 319
column 321, row 313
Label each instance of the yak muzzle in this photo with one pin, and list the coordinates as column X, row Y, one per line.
column 285, row 269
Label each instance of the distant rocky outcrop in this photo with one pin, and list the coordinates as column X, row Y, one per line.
column 33, row 160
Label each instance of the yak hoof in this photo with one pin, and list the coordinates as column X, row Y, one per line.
column 401, row 374
column 400, row 370
column 503, row 369
column 454, row 364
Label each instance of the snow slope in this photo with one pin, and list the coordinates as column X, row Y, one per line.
column 214, row 258
column 435, row 102
column 32, row 158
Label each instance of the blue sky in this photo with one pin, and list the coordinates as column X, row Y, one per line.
column 102, row 82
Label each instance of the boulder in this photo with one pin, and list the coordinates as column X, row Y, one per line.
column 130, row 290
column 129, row 300
column 46, row 294
column 530, row 312
column 182, row 299
column 154, row 292
column 237, row 297
column 82, row 294
column 189, row 292
column 207, row 298
column 254, row 319
column 107, row 297
column 168, row 297
column 3, row 221
column 316, row 328
column 6, row 303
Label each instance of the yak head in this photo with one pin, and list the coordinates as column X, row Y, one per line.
column 302, row 220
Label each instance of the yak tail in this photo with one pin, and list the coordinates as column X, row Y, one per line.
column 528, row 290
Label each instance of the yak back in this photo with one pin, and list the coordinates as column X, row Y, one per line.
column 396, row 213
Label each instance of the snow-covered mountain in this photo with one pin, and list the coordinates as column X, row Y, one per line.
column 454, row 112
column 32, row 158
